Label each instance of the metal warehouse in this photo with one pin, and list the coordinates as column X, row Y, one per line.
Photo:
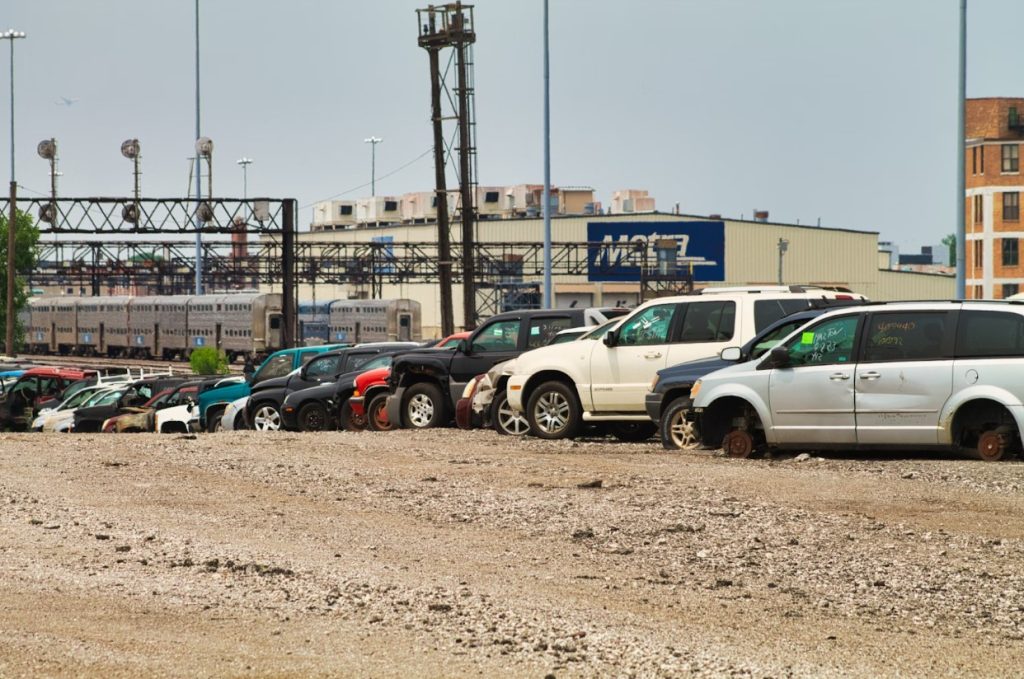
column 713, row 250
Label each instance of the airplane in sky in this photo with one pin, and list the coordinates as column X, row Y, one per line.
column 64, row 101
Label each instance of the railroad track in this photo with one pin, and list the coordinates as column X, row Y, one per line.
column 102, row 363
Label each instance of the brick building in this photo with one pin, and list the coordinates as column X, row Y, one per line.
column 995, row 133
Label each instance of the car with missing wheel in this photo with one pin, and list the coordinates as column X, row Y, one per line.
column 668, row 402
column 560, row 388
column 905, row 375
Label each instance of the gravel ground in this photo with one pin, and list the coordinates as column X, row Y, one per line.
column 450, row 553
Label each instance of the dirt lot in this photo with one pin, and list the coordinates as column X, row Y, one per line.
column 449, row 553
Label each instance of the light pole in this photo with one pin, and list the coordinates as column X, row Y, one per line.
column 549, row 300
column 11, row 35
column 373, row 141
column 783, row 247
column 199, row 176
column 245, row 163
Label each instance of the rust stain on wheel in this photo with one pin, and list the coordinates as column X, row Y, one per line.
column 991, row 446
column 738, row 444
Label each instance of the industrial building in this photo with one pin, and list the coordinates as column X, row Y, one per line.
column 620, row 245
column 994, row 132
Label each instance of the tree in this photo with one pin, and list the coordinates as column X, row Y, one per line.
column 950, row 242
column 208, row 361
column 26, row 239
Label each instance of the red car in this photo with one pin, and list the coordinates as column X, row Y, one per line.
column 369, row 397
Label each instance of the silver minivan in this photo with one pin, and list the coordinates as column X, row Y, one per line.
column 918, row 375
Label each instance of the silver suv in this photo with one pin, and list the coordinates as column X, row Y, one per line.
column 924, row 375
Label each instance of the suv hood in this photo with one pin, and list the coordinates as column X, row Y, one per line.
column 693, row 369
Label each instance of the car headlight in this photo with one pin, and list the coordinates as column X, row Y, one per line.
column 470, row 387
column 694, row 390
column 654, row 383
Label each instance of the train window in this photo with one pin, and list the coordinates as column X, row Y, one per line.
column 275, row 322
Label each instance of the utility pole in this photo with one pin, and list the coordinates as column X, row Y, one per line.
column 12, row 221
column 373, row 141
column 961, row 152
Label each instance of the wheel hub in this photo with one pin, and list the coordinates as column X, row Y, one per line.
column 552, row 412
column 421, row 410
column 991, row 446
column 738, row 443
column 683, row 432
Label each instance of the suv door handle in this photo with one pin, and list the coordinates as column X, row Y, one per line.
column 870, row 375
column 652, row 354
column 838, row 376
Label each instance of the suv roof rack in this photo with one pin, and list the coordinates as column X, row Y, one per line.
column 754, row 289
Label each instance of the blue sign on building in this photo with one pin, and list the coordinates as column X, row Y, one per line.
column 199, row 341
column 618, row 250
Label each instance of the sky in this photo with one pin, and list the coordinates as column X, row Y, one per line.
column 838, row 110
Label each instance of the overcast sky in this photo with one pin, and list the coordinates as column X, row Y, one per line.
column 843, row 110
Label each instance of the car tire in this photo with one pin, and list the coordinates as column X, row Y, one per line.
column 633, row 432
column 213, row 417
column 350, row 421
column 240, row 422
column 554, row 411
column 266, row 417
column 376, row 414
column 423, row 407
column 506, row 421
column 676, row 432
column 312, row 417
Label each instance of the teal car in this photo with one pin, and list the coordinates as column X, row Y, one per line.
column 213, row 402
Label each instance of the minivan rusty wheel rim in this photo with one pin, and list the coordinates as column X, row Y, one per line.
column 991, row 446
column 552, row 412
column 738, row 443
column 420, row 410
column 683, row 433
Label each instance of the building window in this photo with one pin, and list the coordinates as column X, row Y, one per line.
column 390, row 205
column 978, row 294
column 344, row 210
column 1011, row 252
column 1011, row 161
column 982, row 167
column 979, row 215
column 1011, row 206
column 1010, row 289
column 979, row 254
column 974, row 160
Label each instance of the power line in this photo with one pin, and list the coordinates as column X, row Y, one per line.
column 363, row 186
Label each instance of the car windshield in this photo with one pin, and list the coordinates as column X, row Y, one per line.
column 78, row 399
column 108, row 397
column 94, row 398
column 158, row 399
column 378, row 362
column 601, row 330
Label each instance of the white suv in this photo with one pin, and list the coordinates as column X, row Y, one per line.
column 560, row 386
column 918, row 375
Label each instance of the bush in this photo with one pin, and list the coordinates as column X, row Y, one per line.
column 208, row 361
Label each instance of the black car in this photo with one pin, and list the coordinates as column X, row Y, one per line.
column 326, row 406
column 263, row 410
column 425, row 385
column 668, row 404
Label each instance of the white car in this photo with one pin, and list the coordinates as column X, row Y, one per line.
column 559, row 387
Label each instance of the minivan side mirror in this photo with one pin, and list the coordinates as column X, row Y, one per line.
column 611, row 338
column 778, row 357
column 731, row 354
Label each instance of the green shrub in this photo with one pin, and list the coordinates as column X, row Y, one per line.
column 208, row 361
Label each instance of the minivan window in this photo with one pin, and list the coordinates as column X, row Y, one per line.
column 323, row 367
column 274, row 367
column 708, row 322
column 828, row 342
column 983, row 334
column 905, row 336
column 650, row 326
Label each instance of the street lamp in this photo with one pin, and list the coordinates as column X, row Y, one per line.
column 11, row 35
column 373, row 141
column 245, row 163
column 783, row 247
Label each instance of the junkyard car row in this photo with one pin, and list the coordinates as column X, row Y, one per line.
column 746, row 370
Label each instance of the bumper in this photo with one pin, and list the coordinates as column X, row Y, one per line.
column 358, row 405
column 652, row 402
column 514, row 392
column 289, row 417
column 394, row 408
column 465, row 417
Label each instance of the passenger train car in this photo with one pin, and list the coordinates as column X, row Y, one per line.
column 239, row 323
column 155, row 327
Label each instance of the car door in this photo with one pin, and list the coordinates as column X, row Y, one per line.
column 811, row 398
column 904, row 376
column 704, row 329
column 621, row 374
column 493, row 343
